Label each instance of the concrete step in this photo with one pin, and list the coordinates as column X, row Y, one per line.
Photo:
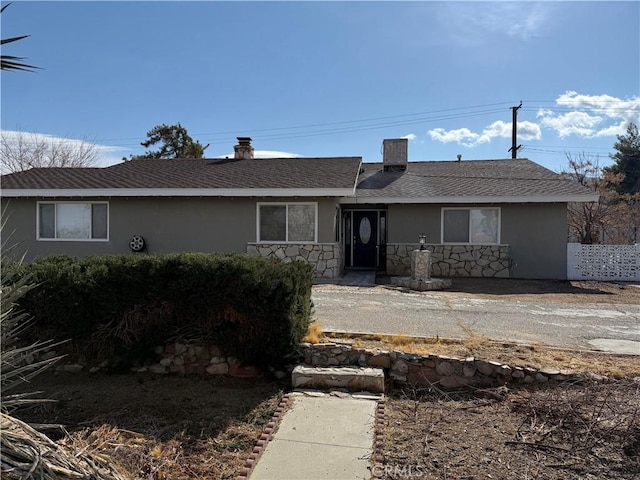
column 353, row 379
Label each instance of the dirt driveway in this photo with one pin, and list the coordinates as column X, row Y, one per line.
column 585, row 315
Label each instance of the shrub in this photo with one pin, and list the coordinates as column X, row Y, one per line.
column 120, row 307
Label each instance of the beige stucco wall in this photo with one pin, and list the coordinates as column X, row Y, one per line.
column 535, row 233
column 167, row 224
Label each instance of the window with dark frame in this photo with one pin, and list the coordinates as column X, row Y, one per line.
column 287, row 222
column 73, row 221
column 471, row 225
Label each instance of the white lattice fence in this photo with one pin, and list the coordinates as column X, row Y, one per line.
column 603, row 262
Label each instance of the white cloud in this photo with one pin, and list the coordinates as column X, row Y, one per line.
column 529, row 130
column 499, row 128
column 543, row 112
column 107, row 154
column 607, row 105
column 586, row 116
column 410, row 136
column 591, row 115
column 470, row 22
column 578, row 123
column 266, row 154
column 462, row 136
column 496, row 129
column 274, row 154
column 613, row 130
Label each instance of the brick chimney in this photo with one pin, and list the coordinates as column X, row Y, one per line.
column 244, row 150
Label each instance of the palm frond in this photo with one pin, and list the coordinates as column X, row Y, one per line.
column 10, row 62
column 12, row 39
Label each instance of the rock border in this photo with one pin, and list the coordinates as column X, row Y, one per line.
column 428, row 370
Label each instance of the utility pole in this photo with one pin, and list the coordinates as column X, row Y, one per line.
column 514, row 132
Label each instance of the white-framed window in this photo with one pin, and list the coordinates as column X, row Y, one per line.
column 471, row 225
column 73, row 221
column 288, row 222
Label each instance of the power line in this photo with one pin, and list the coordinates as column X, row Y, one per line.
column 336, row 131
column 344, row 122
column 366, row 125
column 559, row 152
column 375, row 123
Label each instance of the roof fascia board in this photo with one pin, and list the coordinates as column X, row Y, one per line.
column 179, row 192
column 487, row 199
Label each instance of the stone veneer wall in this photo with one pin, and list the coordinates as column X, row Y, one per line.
column 326, row 258
column 427, row 370
column 415, row 369
column 452, row 260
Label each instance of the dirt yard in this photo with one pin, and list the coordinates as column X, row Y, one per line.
column 567, row 432
column 159, row 428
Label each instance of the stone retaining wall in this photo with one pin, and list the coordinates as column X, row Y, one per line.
column 180, row 359
column 402, row 367
column 326, row 258
column 426, row 370
column 452, row 260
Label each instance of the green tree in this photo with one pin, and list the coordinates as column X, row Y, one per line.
column 11, row 62
column 175, row 143
column 627, row 161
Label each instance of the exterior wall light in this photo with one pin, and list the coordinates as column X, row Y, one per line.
column 422, row 239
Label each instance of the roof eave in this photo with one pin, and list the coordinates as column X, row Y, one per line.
column 476, row 199
column 178, row 192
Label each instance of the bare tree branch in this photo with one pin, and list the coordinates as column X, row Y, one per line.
column 612, row 218
column 21, row 151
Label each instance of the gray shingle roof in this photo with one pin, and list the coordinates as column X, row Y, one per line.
column 509, row 180
column 267, row 173
column 468, row 179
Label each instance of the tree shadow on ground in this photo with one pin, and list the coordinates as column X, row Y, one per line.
column 159, row 406
column 510, row 286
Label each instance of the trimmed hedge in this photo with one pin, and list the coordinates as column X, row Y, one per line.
column 120, row 307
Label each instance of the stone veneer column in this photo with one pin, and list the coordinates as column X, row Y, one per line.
column 421, row 265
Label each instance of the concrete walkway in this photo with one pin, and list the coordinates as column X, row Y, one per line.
column 321, row 437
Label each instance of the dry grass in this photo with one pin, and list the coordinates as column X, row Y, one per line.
column 314, row 334
column 517, row 355
column 565, row 432
column 160, row 428
column 27, row 453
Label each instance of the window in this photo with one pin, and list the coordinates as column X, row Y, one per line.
column 73, row 221
column 471, row 225
column 287, row 222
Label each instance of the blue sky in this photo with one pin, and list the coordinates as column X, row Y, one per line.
column 329, row 78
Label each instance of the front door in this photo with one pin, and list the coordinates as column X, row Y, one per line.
column 365, row 239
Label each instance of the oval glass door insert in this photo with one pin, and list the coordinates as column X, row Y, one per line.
column 365, row 230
